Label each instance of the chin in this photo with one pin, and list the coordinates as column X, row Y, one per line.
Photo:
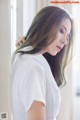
column 53, row 54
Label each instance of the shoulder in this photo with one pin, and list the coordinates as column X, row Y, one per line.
column 28, row 62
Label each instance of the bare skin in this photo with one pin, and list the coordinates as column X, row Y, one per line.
column 37, row 111
column 62, row 38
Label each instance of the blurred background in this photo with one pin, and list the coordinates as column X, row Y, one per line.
column 15, row 19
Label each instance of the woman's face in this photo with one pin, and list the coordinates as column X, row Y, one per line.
column 61, row 39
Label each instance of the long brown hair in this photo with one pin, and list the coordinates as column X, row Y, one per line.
column 42, row 32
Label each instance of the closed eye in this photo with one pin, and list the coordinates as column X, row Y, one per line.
column 61, row 31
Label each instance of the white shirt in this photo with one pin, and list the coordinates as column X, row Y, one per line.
column 32, row 79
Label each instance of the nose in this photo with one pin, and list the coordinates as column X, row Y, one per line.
column 65, row 40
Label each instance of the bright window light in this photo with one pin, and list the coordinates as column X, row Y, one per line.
column 13, row 24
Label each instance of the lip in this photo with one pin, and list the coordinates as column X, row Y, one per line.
column 59, row 47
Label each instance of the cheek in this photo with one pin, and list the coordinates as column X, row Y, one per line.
column 51, row 47
column 59, row 35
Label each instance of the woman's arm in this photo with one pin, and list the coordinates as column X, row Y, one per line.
column 37, row 111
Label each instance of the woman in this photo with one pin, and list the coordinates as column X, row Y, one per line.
column 38, row 65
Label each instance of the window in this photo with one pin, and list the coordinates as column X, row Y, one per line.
column 13, row 24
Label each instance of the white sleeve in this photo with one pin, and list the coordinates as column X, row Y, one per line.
column 33, row 87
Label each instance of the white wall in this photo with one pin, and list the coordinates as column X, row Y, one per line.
column 5, row 56
column 19, row 24
column 66, row 107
